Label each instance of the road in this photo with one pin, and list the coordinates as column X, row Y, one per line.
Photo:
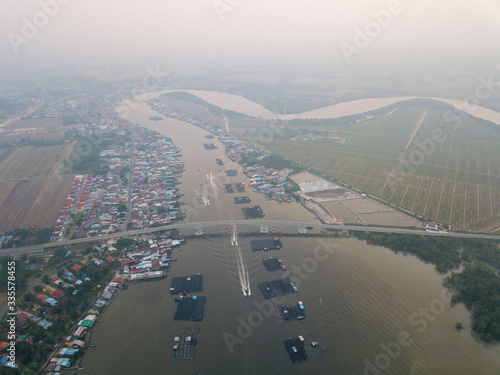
column 130, row 179
column 28, row 112
column 267, row 223
column 22, row 250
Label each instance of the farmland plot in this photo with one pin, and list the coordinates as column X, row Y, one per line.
column 31, row 190
column 34, row 203
column 446, row 171
column 30, row 161
column 49, row 122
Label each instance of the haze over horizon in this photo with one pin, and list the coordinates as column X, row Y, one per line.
column 422, row 34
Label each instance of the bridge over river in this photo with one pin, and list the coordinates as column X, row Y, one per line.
column 263, row 224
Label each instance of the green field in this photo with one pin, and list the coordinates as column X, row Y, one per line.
column 451, row 175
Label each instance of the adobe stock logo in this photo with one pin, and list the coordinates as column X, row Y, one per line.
column 40, row 19
column 372, row 29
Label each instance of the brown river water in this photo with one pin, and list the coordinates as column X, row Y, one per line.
column 377, row 312
column 243, row 105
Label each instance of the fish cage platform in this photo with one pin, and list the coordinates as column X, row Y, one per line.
column 304, row 348
column 266, row 244
column 277, row 288
column 191, row 283
column 241, row 200
column 273, row 264
column 190, row 308
column 288, row 313
column 254, row 212
column 186, row 344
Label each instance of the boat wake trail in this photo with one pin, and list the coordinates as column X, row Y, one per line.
column 242, row 267
column 205, row 197
column 211, row 178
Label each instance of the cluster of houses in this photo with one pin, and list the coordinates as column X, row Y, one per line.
column 235, row 148
column 268, row 181
column 22, row 320
column 153, row 198
column 90, row 107
column 54, row 297
column 83, row 326
column 146, row 261
column 99, row 201
column 150, row 260
column 155, row 173
column 75, row 341
column 60, row 287
column 64, row 215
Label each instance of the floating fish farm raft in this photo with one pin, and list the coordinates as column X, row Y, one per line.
column 192, row 283
column 288, row 313
column 240, row 187
column 277, row 288
column 232, row 172
column 266, row 244
column 296, row 349
column 273, row 264
column 253, row 212
column 229, row 188
column 186, row 344
column 219, row 162
column 241, row 200
column 210, row 146
column 190, row 308
column 303, row 348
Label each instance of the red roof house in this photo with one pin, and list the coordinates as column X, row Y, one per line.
column 431, row 225
column 57, row 294
column 76, row 268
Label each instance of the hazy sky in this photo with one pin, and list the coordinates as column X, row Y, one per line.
column 423, row 32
